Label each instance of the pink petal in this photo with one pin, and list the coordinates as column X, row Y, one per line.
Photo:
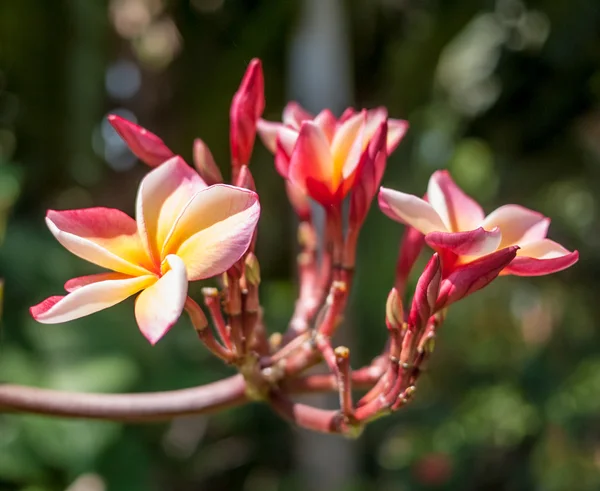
column 162, row 196
column 369, row 176
column 353, row 161
column 519, row 225
column 215, row 230
column 103, row 236
column 267, row 130
column 410, row 210
column 205, row 163
column 540, row 258
column 375, row 117
column 311, row 158
column 397, row 128
column 246, row 107
column 76, row 283
column 286, row 141
column 458, row 211
column 159, row 307
column 88, row 299
column 473, row 276
column 145, row 145
column 346, row 115
column 348, row 143
column 476, row 242
column 327, row 122
column 294, row 115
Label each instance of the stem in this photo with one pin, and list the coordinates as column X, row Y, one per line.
column 211, row 300
column 308, row 417
column 342, row 359
column 156, row 406
column 204, row 333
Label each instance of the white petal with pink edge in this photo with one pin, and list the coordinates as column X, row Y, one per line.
column 159, row 307
column 519, row 225
column 219, row 246
column 540, row 258
column 267, row 130
column 89, row 299
column 410, row 210
column 207, row 208
column 162, row 196
column 458, row 211
column 103, row 236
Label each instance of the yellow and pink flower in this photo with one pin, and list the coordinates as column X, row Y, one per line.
column 320, row 154
column 184, row 231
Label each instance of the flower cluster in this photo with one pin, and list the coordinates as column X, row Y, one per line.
column 190, row 226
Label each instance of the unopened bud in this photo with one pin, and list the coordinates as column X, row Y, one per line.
column 252, row 270
column 275, row 341
column 205, row 163
column 394, row 312
column 426, row 293
column 342, row 352
column 245, row 179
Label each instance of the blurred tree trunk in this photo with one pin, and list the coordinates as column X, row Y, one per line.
column 320, row 77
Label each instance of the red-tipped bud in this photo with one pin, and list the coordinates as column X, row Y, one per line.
column 473, row 276
column 205, row 163
column 245, row 179
column 369, row 177
column 145, row 145
column 426, row 293
column 247, row 106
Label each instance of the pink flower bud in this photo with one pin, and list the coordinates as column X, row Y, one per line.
column 145, row 145
column 426, row 293
column 205, row 163
column 245, row 179
column 247, row 106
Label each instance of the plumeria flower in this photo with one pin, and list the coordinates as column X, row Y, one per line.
column 456, row 226
column 321, row 155
column 184, row 231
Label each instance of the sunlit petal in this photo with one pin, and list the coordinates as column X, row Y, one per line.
column 397, row 128
column 89, row 299
column 294, row 114
column 221, row 243
column 207, row 208
column 410, row 210
column 458, row 211
column 311, row 157
column 519, row 225
column 103, row 236
column 76, row 283
column 157, row 308
column 162, row 196
column 267, row 130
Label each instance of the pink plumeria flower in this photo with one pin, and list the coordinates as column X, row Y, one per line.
column 280, row 138
column 456, row 226
column 321, row 155
column 184, row 231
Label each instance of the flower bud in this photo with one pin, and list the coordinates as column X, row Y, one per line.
column 394, row 313
column 205, row 163
column 145, row 145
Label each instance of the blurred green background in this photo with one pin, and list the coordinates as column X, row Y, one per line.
column 504, row 93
